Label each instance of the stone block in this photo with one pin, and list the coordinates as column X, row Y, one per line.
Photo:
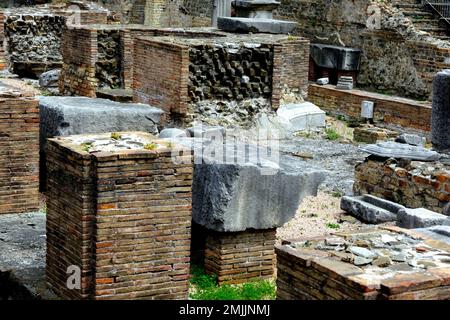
column 420, row 218
column 411, row 139
column 172, row 133
column 63, row 116
column 246, row 193
column 246, row 25
column 397, row 150
column 371, row 209
column 302, row 116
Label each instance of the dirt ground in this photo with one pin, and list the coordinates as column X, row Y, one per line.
column 319, row 216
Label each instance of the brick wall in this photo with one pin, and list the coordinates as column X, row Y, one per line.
column 79, row 49
column 390, row 110
column 2, row 39
column 120, row 67
column 291, row 67
column 161, row 74
column 19, row 149
column 412, row 184
column 238, row 257
column 124, row 218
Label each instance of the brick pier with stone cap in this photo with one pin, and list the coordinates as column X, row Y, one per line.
column 119, row 208
column 19, row 148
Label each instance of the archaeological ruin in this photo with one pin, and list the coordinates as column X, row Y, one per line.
column 224, row 150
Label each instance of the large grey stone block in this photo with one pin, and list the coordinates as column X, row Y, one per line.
column 63, row 116
column 371, row 209
column 440, row 121
column 420, row 218
column 246, row 25
column 245, row 193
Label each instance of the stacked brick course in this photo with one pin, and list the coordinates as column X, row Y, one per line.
column 123, row 217
column 79, row 49
column 312, row 274
column 161, row 74
column 240, row 257
column 412, row 184
column 372, row 134
column 175, row 73
column 2, row 39
column 390, row 110
column 19, row 148
column 86, row 67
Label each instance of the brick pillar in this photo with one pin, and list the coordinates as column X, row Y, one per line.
column 123, row 218
column 239, row 257
column 19, row 148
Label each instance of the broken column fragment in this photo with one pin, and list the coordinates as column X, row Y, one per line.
column 440, row 122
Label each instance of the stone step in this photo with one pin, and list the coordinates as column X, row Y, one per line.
column 418, row 14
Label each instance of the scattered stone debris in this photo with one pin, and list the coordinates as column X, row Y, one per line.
column 378, row 263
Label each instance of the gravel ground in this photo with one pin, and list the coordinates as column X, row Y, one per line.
column 318, row 216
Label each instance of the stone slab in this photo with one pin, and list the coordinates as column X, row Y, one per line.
column 397, row 150
column 246, row 25
column 411, row 139
column 64, row 116
column 420, row 218
column 302, row 116
column 371, row 209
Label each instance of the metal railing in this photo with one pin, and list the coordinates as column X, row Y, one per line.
column 441, row 7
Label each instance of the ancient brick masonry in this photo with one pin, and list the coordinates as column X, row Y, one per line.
column 123, row 217
column 19, row 148
column 391, row 110
column 228, row 68
column 319, row 274
column 238, row 257
column 412, row 184
column 2, row 38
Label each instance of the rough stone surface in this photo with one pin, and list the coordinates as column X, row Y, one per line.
column 237, row 196
column 411, row 139
column 63, row 116
column 440, row 122
column 172, row 133
column 441, row 233
column 397, row 150
column 371, row 209
column 246, row 25
column 302, row 116
column 22, row 257
column 49, row 80
column 420, row 218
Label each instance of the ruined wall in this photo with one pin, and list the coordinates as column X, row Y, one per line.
column 161, row 74
column 19, row 148
column 396, row 57
column 2, row 39
column 162, row 13
column 230, row 73
column 230, row 79
column 412, row 184
column 108, row 64
column 388, row 110
column 78, row 75
column 33, row 36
